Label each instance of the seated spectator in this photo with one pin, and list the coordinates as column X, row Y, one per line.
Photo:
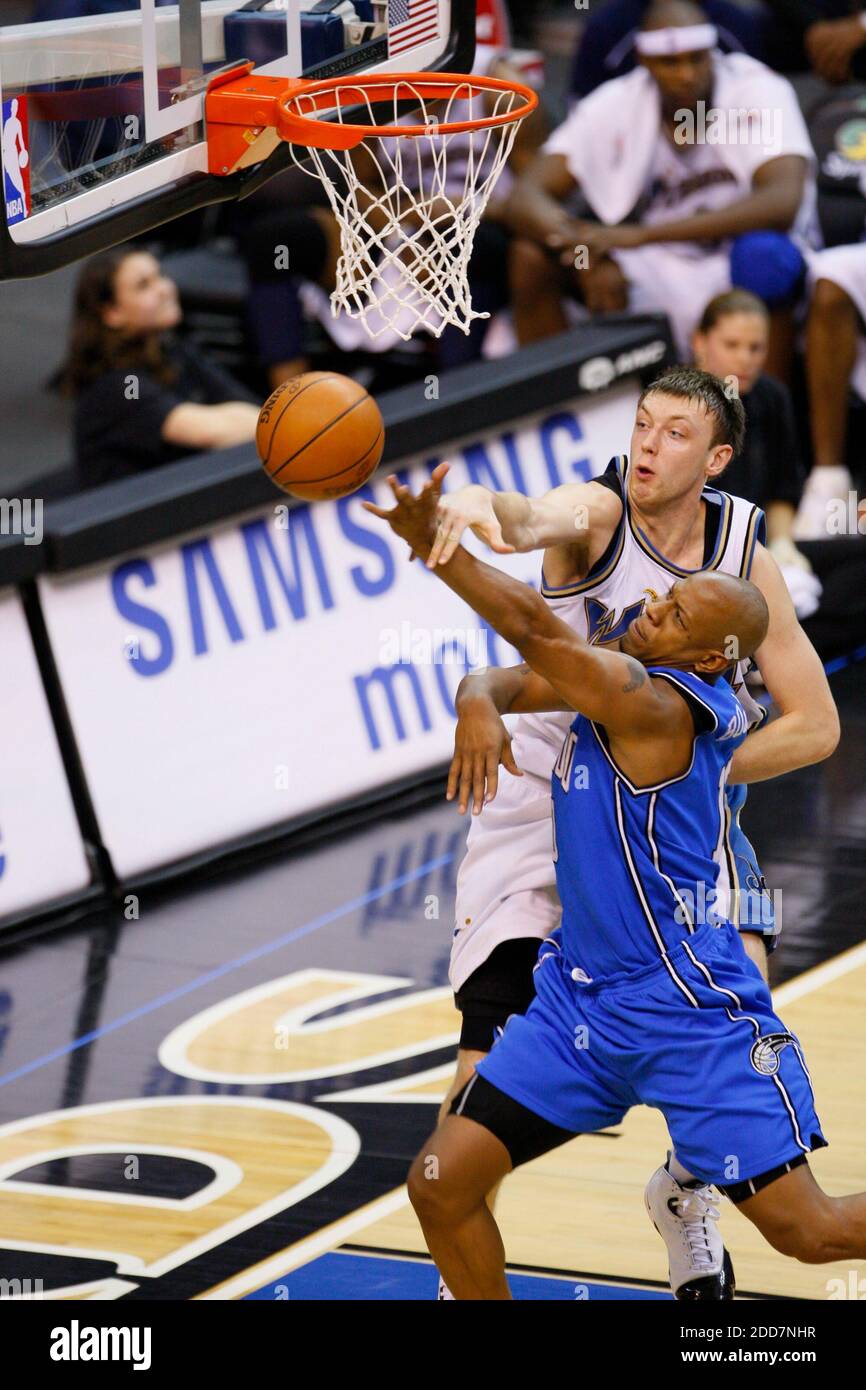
column 731, row 342
column 826, row 578
column 835, row 367
column 827, row 37
column 682, row 215
column 142, row 396
column 606, row 45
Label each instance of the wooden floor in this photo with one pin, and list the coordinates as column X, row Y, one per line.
column 580, row 1208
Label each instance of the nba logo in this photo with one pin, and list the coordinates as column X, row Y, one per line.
column 16, row 160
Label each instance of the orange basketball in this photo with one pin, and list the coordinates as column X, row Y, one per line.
column 320, row 436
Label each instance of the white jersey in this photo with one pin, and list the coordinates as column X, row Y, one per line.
column 506, row 885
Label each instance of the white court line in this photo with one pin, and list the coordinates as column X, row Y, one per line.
column 820, row 975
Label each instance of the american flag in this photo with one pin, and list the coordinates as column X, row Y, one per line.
column 411, row 22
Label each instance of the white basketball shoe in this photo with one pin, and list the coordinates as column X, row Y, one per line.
column 686, row 1218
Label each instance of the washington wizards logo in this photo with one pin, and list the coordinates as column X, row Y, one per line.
column 602, row 623
column 765, row 1053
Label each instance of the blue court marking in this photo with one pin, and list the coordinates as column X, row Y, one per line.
column 257, row 954
column 343, row 1276
column 840, row 662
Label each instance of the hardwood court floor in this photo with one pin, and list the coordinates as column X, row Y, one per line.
column 580, row 1209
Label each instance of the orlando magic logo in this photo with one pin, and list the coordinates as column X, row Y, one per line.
column 765, row 1052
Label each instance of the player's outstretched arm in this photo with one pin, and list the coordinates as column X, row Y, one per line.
column 605, row 685
column 807, row 729
column 510, row 521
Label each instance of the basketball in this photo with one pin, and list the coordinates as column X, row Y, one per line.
column 320, row 436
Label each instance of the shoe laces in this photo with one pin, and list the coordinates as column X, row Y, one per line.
column 694, row 1209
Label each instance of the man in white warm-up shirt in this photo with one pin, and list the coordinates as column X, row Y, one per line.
column 699, row 168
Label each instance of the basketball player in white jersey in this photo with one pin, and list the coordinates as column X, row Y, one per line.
column 608, row 546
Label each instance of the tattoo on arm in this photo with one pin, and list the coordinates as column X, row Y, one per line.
column 638, row 676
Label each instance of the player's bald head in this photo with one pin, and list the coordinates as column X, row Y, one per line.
column 728, row 614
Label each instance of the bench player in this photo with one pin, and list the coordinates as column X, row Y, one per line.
column 609, row 546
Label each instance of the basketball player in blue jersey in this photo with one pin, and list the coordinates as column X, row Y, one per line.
column 636, row 1003
column 608, row 546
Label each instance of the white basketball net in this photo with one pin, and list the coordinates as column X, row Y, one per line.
column 408, row 207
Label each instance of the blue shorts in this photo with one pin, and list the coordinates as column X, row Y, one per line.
column 696, row 1039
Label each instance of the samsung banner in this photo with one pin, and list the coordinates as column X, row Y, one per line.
column 287, row 660
column 41, row 854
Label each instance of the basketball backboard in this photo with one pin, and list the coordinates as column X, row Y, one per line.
column 102, row 103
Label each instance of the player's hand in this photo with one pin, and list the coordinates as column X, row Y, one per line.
column 413, row 518
column 565, row 239
column 600, row 239
column 481, row 743
column 470, row 507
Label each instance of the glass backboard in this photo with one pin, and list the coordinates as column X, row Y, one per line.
column 102, row 102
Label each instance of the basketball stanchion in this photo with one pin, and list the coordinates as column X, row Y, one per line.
column 408, row 198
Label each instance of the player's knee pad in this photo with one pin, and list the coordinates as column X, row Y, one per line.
column 770, row 265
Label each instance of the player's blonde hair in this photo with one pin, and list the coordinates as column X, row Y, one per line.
column 691, row 384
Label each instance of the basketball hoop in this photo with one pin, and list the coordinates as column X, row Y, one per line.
column 408, row 198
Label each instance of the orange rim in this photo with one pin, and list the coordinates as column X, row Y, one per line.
column 303, row 129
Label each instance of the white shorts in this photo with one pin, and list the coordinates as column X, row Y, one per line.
column 506, row 885
column 662, row 281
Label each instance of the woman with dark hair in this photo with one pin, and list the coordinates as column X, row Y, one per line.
column 142, row 396
column 826, row 579
column 731, row 341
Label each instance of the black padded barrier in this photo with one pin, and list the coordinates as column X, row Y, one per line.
column 94, row 527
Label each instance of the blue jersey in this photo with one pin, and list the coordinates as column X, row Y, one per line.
column 636, row 868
